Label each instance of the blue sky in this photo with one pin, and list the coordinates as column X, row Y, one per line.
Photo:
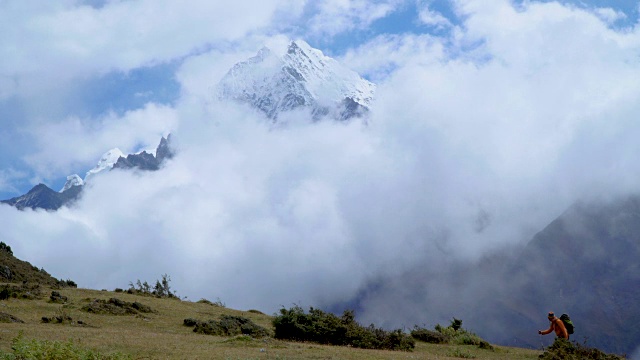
column 485, row 110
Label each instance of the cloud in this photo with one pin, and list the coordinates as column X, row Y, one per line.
column 80, row 142
column 431, row 17
column 609, row 15
column 46, row 44
column 380, row 57
column 332, row 17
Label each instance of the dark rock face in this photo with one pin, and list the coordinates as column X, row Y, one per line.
column 164, row 151
column 146, row 161
column 41, row 196
column 142, row 161
column 349, row 108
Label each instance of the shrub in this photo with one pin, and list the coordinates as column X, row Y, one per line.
column 218, row 302
column 453, row 334
column 67, row 283
column 8, row 318
column 227, row 326
column 459, row 336
column 190, row 322
column 326, row 328
column 565, row 349
column 429, row 336
column 25, row 291
column 61, row 318
column 56, row 297
column 5, row 294
column 486, row 346
column 116, row 306
column 6, row 248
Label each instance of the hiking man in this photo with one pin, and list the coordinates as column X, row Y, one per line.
column 556, row 325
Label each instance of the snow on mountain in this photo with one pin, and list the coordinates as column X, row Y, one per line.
column 106, row 162
column 72, row 180
column 302, row 77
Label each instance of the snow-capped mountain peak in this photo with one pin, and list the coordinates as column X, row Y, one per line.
column 72, row 180
column 302, row 77
column 325, row 77
column 106, row 162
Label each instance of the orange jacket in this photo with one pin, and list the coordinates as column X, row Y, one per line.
column 558, row 326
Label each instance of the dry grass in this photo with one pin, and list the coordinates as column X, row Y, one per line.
column 161, row 335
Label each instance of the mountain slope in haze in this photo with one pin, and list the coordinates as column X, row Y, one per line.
column 302, row 78
column 43, row 197
column 585, row 263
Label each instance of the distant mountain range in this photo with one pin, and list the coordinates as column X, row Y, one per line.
column 43, row 197
column 301, row 79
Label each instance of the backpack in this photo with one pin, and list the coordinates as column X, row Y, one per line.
column 566, row 320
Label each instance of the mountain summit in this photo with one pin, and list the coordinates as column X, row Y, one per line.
column 301, row 78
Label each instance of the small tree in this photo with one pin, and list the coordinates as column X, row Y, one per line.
column 456, row 324
column 162, row 288
column 6, row 248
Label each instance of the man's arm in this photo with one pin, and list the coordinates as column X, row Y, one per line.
column 545, row 332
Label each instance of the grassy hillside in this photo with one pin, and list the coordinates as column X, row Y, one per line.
column 14, row 270
column 160, row 334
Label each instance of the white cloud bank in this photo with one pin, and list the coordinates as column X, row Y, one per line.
column 45, row 43
column 476, row 142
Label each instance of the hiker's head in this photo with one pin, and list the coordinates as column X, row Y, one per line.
column 551, row 315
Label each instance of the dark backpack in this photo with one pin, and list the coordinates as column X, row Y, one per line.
column 566, row 320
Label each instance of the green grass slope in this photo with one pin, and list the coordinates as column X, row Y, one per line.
column 160, row 333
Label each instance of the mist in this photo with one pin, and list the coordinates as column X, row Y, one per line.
column 468, row 152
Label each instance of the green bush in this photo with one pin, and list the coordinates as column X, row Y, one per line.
column 25, row 349
column 227, row 326
column 6, row 248
column 115, row 306
column 66, row 283
column 433, row 337
column 218, row 302
column 453, row 334
column 26, row 291
column 460, row 336
column 326, row 328
column 567, row 350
